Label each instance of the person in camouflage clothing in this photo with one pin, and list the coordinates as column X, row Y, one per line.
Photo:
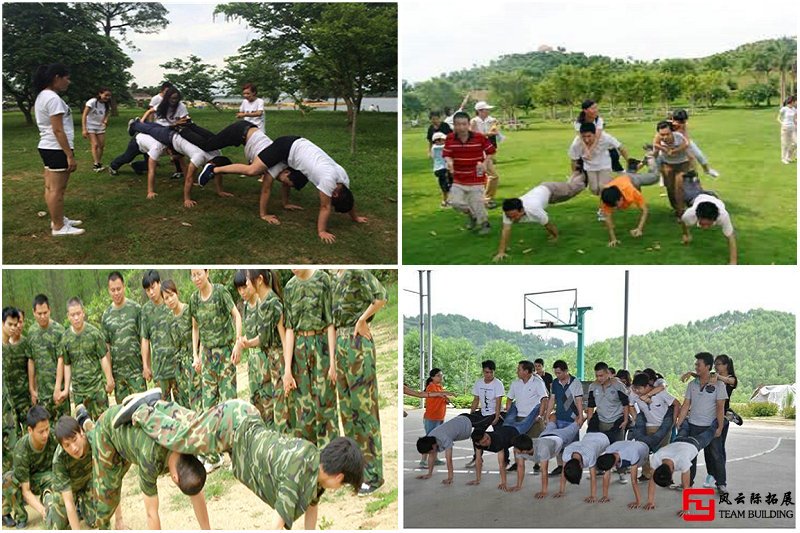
column 121, row 326
column 288, row 474
column 15, row 366
column 9, row 432
column 310, row 357
column 157, row 339
column 113, row 452
column 31, row 480
column 190, row 383
column 357, row 296
column 214, row 318
column 46, row 364
column 86, row 361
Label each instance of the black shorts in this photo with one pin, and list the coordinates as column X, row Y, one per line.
column 278, row 151
column 54, row 160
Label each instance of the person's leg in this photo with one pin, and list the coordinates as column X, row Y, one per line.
column 327, row 419
column 127, row 383
column 212, row 370
column 280, row 417
column 655, row 438
column 260, row 384
column 698, row 155
column 301, row 402
column 93, row 142
column 101, row 146
column 232, row 135
column 95, row 403
column 525, row 424
column 56, row 517
column 13, row 503
column 476, row 204
column 126, row 157
column 108, row 470
column 640, row 180
column 715, row 455
column 55, row 186
column 669, row 183
column 511, row 415
column 458, row 199
column 593, row 178
column 158, row 132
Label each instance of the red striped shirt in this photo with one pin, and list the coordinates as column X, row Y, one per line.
column 466, row 156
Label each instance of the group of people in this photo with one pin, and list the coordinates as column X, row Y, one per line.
column 633, row 425
column 464, row 164
column 291, row 160
column 306, row 343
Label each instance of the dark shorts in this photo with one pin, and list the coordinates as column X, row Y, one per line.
column 445, row 179
column 278, row 151
column 54, row 160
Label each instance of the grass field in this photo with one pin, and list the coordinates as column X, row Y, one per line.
column 123, row 227
column 742, row 144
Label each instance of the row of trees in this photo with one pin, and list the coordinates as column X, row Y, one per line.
column 548, row 79
column 761, row 343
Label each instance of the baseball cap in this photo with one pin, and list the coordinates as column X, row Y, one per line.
column 438, row 135
column 482, row 105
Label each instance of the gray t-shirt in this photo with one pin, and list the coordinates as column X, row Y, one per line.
column 703, row 408
column 677, row 157
column 609, row 400
column 654, row 411
column 633, row 451
column 458, row 428
column 590, row 447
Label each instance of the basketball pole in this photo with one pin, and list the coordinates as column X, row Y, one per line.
column 430, row 325
column 421, row 339
column 581, row 346
column 625, row 326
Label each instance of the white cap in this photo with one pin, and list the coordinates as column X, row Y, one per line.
column 482, row 105
column 438, row 135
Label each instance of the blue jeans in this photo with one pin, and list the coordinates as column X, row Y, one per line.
column 701, row 437
column 716, row 457
column 639, row 431
column 430, row 425
column 158, row 132
column 561, row 424
column 523, row 425
column 131, row 152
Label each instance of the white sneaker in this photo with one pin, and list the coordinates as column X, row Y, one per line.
column 210, row 467
column 623, row 478
column 785, row 161
column 713, row 173
column 66, row 229
column 69, row 221
column 709, row 482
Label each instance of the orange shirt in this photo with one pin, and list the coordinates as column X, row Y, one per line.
column 630, row 195
column 435, row 408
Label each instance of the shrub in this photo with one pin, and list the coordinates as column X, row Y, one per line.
column 764, row 409
column 462, row 402
column 788, row 412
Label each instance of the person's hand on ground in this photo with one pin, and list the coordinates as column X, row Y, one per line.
column 328, row 238
column 271, row 219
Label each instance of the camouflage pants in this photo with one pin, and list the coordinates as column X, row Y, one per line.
column 56, row 411
column 57, row 511
column 260, row 380
column 357, row 384
column 10, row 436
column 185, row 431
column 219, row 376
column 169, row 389
column 125, row 384
column 13, row 503
column 312, row 405
column 21, row 408
column 190, row 386
column 279, row 416
column 108, row 470
column 96, row 403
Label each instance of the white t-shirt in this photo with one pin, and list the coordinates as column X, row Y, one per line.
column 534, row 203
column 482, row 125
column 598, row 124
column 655, row 411
column 633, row 451
column 681, row 454
column 254, row 145
column 591, row 446
column 149, row 146
column 172, row 118
column 194, row 153
column 527, row 395
column 154, row 101
column 97, row 114
column 723, row 220
column 48, row 104
column 600, row 158
column 487, row 394
column 319, row 167
column 249, row 107
column 788, row 117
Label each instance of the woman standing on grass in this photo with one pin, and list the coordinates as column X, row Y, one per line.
column 787, row 117
column 56, row 143
column 95, row 122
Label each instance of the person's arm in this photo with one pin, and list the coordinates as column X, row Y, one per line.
column 310, row 518
column 84, row 129
column 720, row 417
column 67, row 381
column 57, row 123
column 31, row 499
column 606, row 482
column 638, row 230
column 322, row 219
column 187, row 190
column 505, row 237
column 501, row 461
column 151, row 510
column 263, row 199
column 237, row 320
column 732, row 251
column 684, row 411
column 105, row 364
column 498, row 403
column 288, row 355
column 431, row 465
column 562, row 484
column 676, row 409
column 551, row 401
column 448, row 455
column 200, row 510
column 195, row 345
column 543, row 474
column 32, row 382
column 475, row 402
column 635, row 486
column 59, row 380
column 448, row 161
column 579, row 405
column 612, row 237
column 147, row 114
column 508, row 403
column 520, row 462
column 151, row 178
column 72, row 512
column 362, row 326
column 331, row 330
column 592, row 486
column 355, row 217
column 147, row 373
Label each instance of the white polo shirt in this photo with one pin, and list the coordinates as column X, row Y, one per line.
column 319, row 167
column 527, row 395
column 600, row 158
column 534, row 203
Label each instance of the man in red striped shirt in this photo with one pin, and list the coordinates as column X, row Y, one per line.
column 465, row 152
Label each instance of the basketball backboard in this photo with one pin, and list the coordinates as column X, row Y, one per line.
column 551, row 309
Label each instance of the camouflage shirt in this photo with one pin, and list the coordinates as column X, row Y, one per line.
column 213, row 317
column 28, row 461
column 134, row 446
column 15, row 372
column 180, row 328
column 83, row 353
column 307, row 303
column 251, row 321
column 155, row 327
column 271, row 309
column 70, row 473
column 45, row 344
column 353, row 292
column 121, row 330
column 280, row 470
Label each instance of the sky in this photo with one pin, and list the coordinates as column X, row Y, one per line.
column 449, row 36
column 658, row 296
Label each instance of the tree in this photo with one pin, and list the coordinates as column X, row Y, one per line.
column 34, row 34
column 756, row 93
column 251, row 66
column 669, row 89
column 511, row 90
column 139, row 17
column 196, row 80
column 438, row 94
column 783, row 55
column 412, row 105
column 352, row 47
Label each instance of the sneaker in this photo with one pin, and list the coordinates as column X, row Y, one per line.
column 367, row 489
column 176, row 176
column 67, row 229
column 471, row 222
column 206, row 175
column 22, row 524
column 113, row 171
column 643, row 479
column 623, row 478
column 785, row 161
column 444, row 204
column 556, row 471
column 512, row 468
column 8, row 521
column 423, row 463
column 713, row 173
column 536, row 468
column 722, row 489
column 709, row 482
column 125, row 414
column 491, row 204
column 601, row 217
column 210, row 467
column 131, row 122
column 98, row 167
column 485, row 229
column 439, row 462
column 470, row 464
column 70, row 222
column 734, row 417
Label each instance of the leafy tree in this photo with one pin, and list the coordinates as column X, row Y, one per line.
column 756, row 93
column 121, row 17
column 412, row 105
column 438, row 93
column 251, row 66
column 34, row 34
column 195, row 80
column 511, row 90
column 670, row 88
column 783, row 56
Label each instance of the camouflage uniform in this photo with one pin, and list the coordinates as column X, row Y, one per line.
column 44, row 343
column 83, row 354
column 190, row 382
column 113, row 452
column 31, row 467
column 356, row 378
column 259, row 377
column 312, row 406
column 71, row 475
column 282, row 471
column 155, row 327
column 15, row 379
column 271, row 310
column 10, row 432
column 121, row 330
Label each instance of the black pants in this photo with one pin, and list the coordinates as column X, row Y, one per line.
column 233, row 135
column 278, row 151
column 445, row 179
column 131, row 152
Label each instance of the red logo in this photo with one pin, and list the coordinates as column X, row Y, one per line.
column 697, row 506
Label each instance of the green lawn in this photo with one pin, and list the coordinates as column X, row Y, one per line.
column 743, row 144
column 122, row 226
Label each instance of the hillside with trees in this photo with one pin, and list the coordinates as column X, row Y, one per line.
column 761, row 343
